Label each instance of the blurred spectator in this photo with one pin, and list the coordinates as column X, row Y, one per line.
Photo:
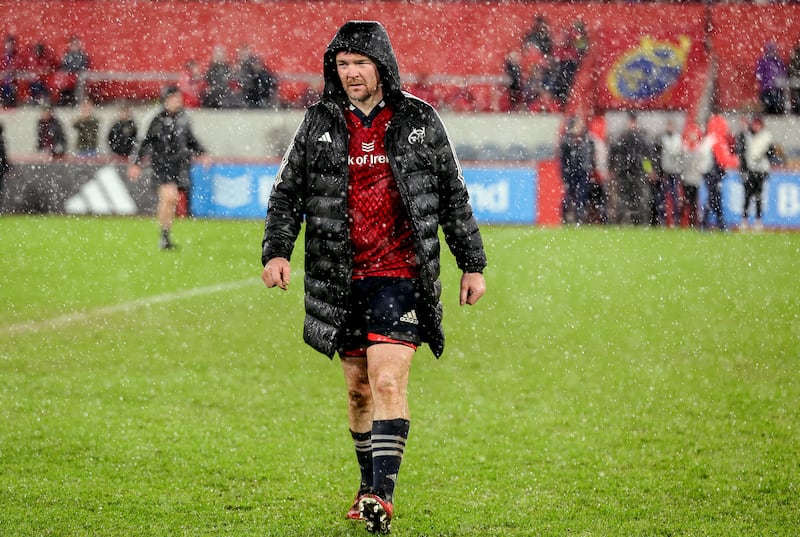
column 122, row 135
column 722, row 157
column 87, row 128
column 758, row 144
column 74, row 62
column 546, row 69
column 629, row 163
column 536, row 68
column 258, row 84
column 698, row 153
column 5, row 165
column 515, row 89
column 564, row 65
column 597, row 199
column 539, row 35
column 219, row 79
column 50, row 134
column 577, row 164
column 532, row 56
column 537, row 98
column 670, row 163
column 41, row 65
column 9, row 65
column 771, row 72
column 192, row 83
column 794, row 74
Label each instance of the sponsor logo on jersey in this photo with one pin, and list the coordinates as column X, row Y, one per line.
column 367, row 160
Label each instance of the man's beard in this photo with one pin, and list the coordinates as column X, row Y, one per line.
column 367, row 94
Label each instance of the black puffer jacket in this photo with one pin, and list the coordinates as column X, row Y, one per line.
column 170, row 144
column 312, row 185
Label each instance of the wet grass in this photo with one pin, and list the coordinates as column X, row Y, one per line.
column 612, row 382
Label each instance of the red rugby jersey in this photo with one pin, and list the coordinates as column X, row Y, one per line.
column 379, row 226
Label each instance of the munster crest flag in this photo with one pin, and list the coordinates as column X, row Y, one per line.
column 660, row 67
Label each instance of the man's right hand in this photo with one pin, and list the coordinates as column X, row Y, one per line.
column 276, row 272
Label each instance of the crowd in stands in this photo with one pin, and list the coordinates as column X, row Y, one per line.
column 246, row 83
column 538, row 77
column 541, row 71
column 35, row 74
column 634, row 178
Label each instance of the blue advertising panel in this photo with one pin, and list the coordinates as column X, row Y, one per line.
column 498, row 195
column 232, row 190
column 502, row 195
column 780, row 200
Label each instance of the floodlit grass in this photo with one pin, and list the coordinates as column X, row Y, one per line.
column 613, row 382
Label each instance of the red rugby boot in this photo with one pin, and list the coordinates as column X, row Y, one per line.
column 377, row 513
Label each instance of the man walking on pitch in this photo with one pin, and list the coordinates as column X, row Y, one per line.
column 170, row 144
column 372, row 173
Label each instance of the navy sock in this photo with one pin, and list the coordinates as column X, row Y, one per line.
column 363, row 445
column 388, row 444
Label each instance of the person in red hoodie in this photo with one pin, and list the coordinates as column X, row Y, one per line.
column 719, row 139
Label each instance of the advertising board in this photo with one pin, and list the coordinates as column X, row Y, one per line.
column 497, row 194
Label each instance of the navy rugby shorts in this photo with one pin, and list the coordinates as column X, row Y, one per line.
column 382, row 310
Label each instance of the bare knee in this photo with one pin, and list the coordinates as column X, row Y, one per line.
column 387, row 388
column 360, row 398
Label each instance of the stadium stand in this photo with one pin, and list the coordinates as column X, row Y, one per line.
column 136, row 45
column 456, row 48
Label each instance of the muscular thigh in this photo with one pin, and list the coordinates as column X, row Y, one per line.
column 168, row 191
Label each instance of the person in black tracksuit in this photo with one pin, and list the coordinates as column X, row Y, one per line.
column 122, row 135
column 170, row 145
column 576, row 153
column 628, row 159
column 371, row 169
column 50, row 134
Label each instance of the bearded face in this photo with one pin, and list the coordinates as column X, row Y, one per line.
column 360, row 79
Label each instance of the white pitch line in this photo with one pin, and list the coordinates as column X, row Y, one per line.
column 123, row 307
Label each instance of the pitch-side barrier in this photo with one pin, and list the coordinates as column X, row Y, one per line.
column 525, row 194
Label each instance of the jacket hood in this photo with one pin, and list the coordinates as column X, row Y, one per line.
column 370, row 39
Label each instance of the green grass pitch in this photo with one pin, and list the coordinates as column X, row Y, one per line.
column 612, row 382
